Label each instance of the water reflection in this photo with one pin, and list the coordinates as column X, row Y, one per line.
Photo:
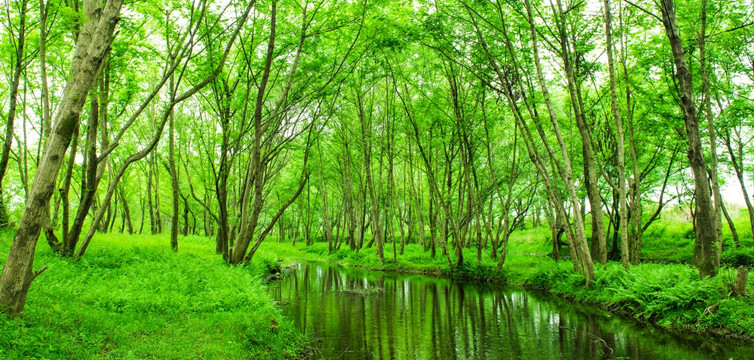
column 353, row 314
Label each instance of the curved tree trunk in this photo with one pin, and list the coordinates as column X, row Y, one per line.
column 92, row 46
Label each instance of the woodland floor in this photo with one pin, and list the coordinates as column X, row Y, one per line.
column 131, row 297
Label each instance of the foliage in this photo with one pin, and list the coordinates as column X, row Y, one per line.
column 134, row 299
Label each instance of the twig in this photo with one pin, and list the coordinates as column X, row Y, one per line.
column 644, row 10
column 38, row 272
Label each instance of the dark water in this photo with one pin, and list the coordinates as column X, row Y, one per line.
column 356, row 314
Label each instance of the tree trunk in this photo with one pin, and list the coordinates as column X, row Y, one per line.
column 622, row 209
column 126, row 212
column 742, row 277
column 173, row 178
column 186, row 210
column 93, row 43
column 88, row 182
column 221, row 182
column 738, row 167
column 327, row 221
column 64, row 190
column 576, row 235
column 732, row 226
column 705, row 245
column 366, row 135
column 255, row 168
column 143, row 216
column 157, row 210
column 712, row 169
column 590, row 172
column 152, row 224
column 45, row 95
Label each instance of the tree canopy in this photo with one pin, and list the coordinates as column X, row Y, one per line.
column 450, row 124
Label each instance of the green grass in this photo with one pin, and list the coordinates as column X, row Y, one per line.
column 671, row 239
column 131, row 297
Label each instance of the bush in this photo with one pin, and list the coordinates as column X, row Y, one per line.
column 652, row 292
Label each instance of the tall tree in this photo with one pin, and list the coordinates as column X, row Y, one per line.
column 705, row 245
column 92, row 46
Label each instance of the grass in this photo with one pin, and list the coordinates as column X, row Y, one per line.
column 667, row 294
column 131, row 297
column 671, row 239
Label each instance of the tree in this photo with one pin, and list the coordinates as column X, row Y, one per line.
column 92, row 46
column 705, row 246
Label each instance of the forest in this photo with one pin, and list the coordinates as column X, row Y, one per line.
column 165, row 163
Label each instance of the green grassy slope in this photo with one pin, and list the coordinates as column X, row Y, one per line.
column 131, row 297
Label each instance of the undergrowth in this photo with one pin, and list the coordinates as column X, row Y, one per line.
column 131, row 297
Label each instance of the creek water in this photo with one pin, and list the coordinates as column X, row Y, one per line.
column 356, row 314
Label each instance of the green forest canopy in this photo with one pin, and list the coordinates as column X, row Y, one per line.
column 449, row 124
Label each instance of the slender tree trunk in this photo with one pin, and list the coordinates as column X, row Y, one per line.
column 390, row 211
column 590, row 172
column 737, row 162
column 45, row 95
column 114, row 206
column 712, row 169
column 173, row 179
column 126, row 212
column 374, row 205
column 327, row 223
column 732, row 226
column 157, row 210
column 221, row 186
column 88, row 183
column 636, row 202
column 143, row 215
column 576, row 236
column 623, row 209
column 255, row 169
column 152, row 223
column 705, row 246
column 186, row 210
column 64, row 190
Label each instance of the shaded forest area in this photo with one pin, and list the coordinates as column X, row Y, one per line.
column 373, row 126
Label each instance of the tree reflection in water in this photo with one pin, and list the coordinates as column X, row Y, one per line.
column 355, row 314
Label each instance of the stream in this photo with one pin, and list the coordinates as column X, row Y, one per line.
column 357, row 314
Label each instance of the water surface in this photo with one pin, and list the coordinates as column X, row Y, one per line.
column 357, row 314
